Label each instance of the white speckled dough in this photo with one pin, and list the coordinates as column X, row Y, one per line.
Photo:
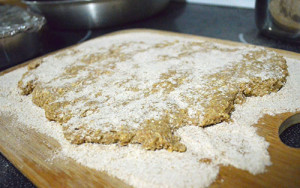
column 229, row 143
column 141, row 88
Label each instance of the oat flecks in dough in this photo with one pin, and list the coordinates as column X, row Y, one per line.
column 140, row 88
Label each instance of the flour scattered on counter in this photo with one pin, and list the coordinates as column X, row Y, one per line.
column 233, row 143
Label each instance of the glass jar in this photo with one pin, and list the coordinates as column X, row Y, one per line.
column 279, row 18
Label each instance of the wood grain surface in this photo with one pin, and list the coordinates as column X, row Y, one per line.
column 30, row 151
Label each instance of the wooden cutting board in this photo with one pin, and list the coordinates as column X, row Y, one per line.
column 29, row 150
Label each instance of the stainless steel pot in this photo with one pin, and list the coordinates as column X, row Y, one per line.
column 279, row 18
column 86, row 14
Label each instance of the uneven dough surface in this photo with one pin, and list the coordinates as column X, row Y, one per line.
column 140, row 88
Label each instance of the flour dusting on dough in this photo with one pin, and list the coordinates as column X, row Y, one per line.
column 233, row 143
column 142, row 88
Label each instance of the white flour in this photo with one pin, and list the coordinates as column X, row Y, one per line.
column 235, row 143
column 122, row 80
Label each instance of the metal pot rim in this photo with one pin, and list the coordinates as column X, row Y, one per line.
column 28, row 2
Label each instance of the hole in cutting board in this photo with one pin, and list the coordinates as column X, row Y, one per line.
column 289, row 131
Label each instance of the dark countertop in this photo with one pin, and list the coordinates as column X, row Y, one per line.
column 233, row 24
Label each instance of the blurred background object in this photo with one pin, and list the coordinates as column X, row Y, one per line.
column 279, row 18
column 87, row 14
column 13, row 2
column 19, row 34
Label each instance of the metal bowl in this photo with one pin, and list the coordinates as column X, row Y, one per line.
column 87, row 14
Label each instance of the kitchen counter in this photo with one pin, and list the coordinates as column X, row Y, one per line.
column 218, row 22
